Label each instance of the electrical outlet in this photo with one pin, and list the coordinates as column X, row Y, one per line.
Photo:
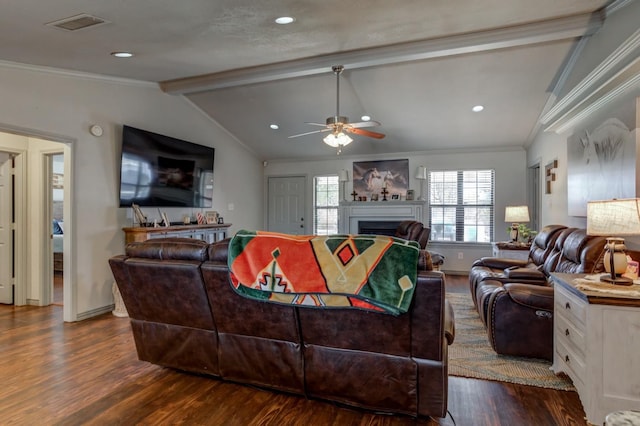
column 460, row 255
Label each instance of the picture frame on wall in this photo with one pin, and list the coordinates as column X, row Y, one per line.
column 371, row 177
column 410, row 194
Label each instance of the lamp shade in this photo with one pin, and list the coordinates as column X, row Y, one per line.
column 343, row 176
column 336, row 140
column 516, row 214
column 613, row 217
column 421, row 173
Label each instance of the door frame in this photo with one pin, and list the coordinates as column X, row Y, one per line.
column 19, row 225
column 70, row 309
column 47, row 213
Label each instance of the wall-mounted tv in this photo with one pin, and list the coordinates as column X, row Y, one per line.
column 161, row 171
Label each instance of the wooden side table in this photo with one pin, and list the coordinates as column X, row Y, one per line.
column 596, row 343
column 511, row 250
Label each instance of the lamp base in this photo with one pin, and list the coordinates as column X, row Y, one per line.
column 616, row 280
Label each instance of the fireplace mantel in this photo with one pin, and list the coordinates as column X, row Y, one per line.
column 351, row 212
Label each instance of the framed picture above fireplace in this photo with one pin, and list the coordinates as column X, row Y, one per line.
column 370, row 177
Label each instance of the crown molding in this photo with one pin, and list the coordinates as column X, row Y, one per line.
column 77, row 74
column 590, row 88
column 625, row 82
column 521, row 35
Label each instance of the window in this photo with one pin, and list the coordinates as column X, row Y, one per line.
column 326, row 198
column 461, row 205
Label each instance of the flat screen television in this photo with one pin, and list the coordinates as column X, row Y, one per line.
column 161, row 171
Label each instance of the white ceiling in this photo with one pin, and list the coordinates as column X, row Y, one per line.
column 415, row 66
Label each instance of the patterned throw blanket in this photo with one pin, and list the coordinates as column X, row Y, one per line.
column 369, row 272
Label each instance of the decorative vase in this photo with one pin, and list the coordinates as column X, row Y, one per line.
column 615, row 245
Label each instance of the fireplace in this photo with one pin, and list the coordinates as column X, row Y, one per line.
column 380, row 217
column 378, row 227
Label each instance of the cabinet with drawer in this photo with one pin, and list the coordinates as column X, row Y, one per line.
column 596, row 343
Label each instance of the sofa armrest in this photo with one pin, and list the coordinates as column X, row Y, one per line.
column 500, row 263
column 449, row 323
column 520, row 320
column 531, row 296
column 528, row 275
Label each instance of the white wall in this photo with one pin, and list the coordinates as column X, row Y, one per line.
column 62, row 107
column 619, row 28
column 509, row 166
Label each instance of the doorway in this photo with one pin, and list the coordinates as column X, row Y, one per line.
column 534, row 191
column 55, row 184
column 286, row 205
column 32, row 210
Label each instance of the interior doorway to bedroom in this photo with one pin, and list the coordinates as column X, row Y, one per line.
column 55, row 180
column 31, row 251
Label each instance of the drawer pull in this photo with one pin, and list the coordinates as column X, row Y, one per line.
column 567, row 306
column 566, row 359
column 566, row 332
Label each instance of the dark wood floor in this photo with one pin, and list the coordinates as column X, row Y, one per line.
column 87, row 373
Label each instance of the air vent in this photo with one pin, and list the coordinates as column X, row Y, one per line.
column 78, row 22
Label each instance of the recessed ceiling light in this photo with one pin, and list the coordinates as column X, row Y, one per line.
column 122, row 54
column 284, row 20
column 274, row 126
column 365, row 118
column 477, row 108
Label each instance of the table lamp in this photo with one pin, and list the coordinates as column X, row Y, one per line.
column 612, row 219
column 421, row 175
column 515, row 215
column 343, row 177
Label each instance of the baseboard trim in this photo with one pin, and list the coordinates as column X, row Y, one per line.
column 95, row 312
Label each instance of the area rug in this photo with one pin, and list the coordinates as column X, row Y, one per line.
column 471, row 355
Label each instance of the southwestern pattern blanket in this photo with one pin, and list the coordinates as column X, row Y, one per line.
column 370, row 272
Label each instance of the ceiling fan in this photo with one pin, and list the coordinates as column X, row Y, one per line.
column 338, row 124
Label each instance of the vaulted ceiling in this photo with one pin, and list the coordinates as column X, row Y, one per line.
column 417, row 67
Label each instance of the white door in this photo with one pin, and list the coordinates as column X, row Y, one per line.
column 286, row 205
column 6, row 232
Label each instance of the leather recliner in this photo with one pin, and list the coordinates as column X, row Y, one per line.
column 414, row 231
column 516, row 304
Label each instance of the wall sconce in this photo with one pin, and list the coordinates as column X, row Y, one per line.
column 343, row 177
column 549, row 175
column 421, row 175
column 613, row 218
column 515, row 215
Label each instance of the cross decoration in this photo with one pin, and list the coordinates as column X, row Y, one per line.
column 384, row 194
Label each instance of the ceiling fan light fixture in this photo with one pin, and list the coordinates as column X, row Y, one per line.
column 336, row 140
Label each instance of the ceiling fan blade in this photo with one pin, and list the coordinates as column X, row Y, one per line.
column 316, row 124
column 368, row 133
column 361, row 124
column 308, row 133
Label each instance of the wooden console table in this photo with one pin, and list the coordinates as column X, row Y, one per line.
column 596, row 343
column 209, row 233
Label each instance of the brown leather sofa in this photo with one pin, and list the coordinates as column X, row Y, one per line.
column 185, row 315
column 514, row 298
